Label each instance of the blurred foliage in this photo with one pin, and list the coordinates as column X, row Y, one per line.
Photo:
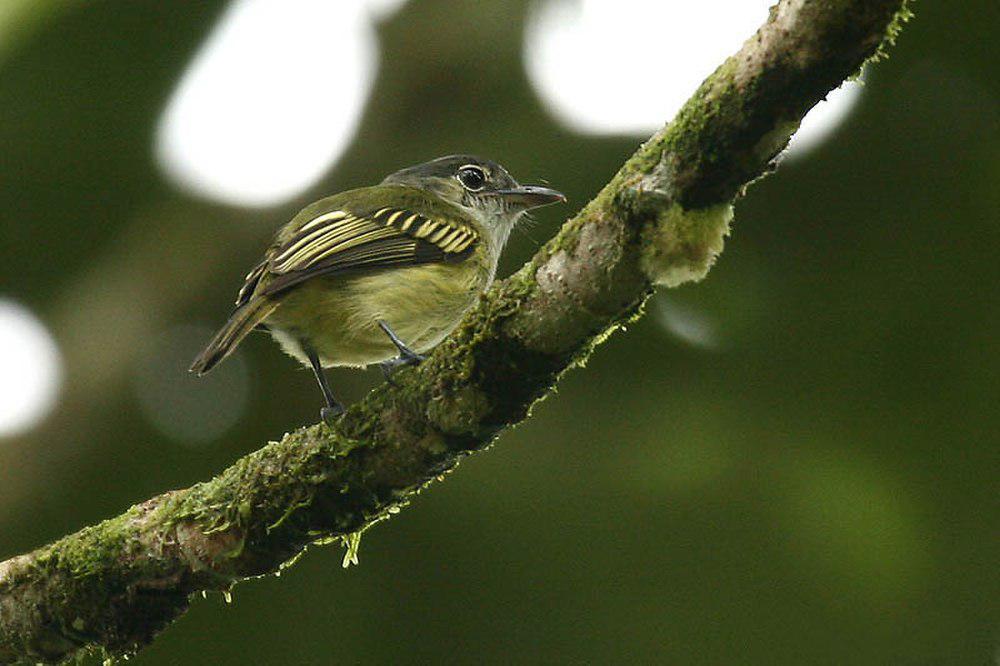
column 818, row 487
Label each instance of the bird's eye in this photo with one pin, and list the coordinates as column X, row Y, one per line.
column 472, row 178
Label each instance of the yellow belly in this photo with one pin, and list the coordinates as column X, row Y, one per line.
column 338, row 315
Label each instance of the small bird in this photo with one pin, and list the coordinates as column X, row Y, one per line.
column 380, row 274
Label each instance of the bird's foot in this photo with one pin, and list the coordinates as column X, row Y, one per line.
column 406, row 357
column 330, row 413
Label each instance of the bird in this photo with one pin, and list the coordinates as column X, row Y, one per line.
column 380, row 274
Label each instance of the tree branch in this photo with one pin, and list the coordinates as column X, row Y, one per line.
column 661, row 220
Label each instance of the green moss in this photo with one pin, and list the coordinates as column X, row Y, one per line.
column 352, row 543
column 289, row 510
column 459, row 411
column 88, row 552
column 899, row 19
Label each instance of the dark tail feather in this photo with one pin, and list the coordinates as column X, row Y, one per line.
column 241, row 322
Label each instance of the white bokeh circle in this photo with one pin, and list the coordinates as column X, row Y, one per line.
column 30, row 369
column 627, row 66
column 271, row 99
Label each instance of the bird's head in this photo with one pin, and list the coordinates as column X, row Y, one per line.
column 481, row 186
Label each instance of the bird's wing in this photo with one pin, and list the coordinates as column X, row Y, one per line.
column 250, row 283
column 350, row 240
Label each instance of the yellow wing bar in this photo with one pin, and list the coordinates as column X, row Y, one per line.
column 325, row 237
column 451, row 237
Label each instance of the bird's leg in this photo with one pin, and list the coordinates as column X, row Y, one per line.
column 406, row 355
column 333, row 408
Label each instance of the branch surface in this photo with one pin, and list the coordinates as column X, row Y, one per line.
column 660, row 220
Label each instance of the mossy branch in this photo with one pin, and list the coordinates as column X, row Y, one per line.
column 661, row 220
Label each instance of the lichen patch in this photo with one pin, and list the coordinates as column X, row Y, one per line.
column 681, row 245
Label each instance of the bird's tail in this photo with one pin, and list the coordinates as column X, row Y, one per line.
column 241, row 322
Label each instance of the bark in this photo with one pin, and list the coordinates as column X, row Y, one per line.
column 660, row 221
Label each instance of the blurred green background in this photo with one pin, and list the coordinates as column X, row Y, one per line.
column 793, row 462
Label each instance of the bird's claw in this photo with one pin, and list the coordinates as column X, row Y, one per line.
column 405, row 358
column 330, row 414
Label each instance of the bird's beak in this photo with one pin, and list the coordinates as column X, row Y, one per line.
column 531, row 196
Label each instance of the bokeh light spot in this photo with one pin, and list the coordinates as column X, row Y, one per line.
column 847, row 518
column 30, row 369
column 820, row 122
column 693, row 326
column 185, row 408
column 270, row 101
column 384, row 9
column 627, row 66
column 690, row 453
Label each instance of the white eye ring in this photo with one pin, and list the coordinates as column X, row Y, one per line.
column 472, row 177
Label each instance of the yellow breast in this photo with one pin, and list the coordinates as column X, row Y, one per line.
column 338, row 315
